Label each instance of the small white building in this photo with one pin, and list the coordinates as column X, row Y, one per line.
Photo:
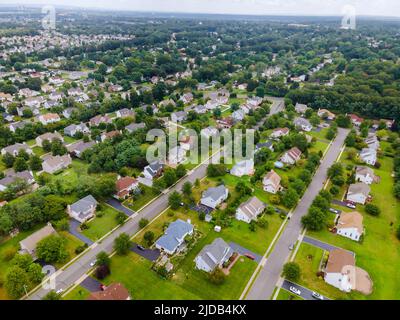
column 365, row 174
column 272, row 182
column 250, row 210
column 350, row 225
column 291, row 156
column 358, row 192
column 368, row 156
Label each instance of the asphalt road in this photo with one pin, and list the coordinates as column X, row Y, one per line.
column 306, row 294
column 267, row 278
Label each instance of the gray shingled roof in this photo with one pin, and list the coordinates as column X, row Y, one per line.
column 212, row 254
column 176, row 230
column 84, row 204
column 215, row 193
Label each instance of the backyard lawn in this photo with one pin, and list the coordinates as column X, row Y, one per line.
column 104, row 222
column 286, row 295
column 145, row 197
column 78, row 293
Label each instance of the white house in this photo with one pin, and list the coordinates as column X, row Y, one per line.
column 49, row 136
column 358, row 192
column 174, row 236
column 350, row 225
column 153, row 170
column 291, row 156
column 279, row 132
column 372, row 142
column 214, row 196
column 83, row 209
column 250, row 210
column 272, row 182
column 16, row 148
column 303, row 124
column 243, row 168
column 179, row 116
column 301, row 108
column 176, row 155
column 52, row 164
column 48, row 118
column 336, row 269
column 369, row 156
column 365, row 174
column 209, row 132
column 213, row 255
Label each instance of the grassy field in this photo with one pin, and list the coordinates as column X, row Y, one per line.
column 38, row 151
column 104, row 222
column 78, row 293
column 379, row 253
column 146, row 196
column 286, row 295
column 319, row 146
column 319, row 135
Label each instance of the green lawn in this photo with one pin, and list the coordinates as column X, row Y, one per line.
column 139, row 201
column 319, row 146
column 319, row 135
column 286, row 295
column 38, row 151
column 379, row 254
column 104, row 222
column 78, row 293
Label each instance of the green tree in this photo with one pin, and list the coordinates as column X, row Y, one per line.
column 149, row 237
column 187, row 189
column 290, row 198
column 35, row 273
column 175, row 200
column 122, row 244
column 52, row 249
column 291, row 271
column 20, row 164
column 217, row 276
column 102, row 259
column 35, row 163
column 372, row 209
column 52, row 295
column 143, row 222
column 16, row 282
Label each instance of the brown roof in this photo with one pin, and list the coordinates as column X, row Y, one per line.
column 339, row 258
column 351, row 220
column 49, row 116
column 115, row 291
column 274, row 178
column 125, row 183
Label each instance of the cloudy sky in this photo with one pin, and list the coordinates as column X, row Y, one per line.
column 264, row 7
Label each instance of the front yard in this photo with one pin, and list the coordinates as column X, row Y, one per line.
column 104, row 222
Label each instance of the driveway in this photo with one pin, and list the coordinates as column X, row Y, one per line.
column 149, row 254
column 339, row 203
column 73, row 229
column 91, row 284
column 323, row 245
column 242, row 250
column 306, row 294
column 118, row 206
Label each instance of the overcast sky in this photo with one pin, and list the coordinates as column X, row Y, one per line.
column 264, row 7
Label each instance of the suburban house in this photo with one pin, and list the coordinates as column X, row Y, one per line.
column 272, row 182
column 291, row 156
column 153, row 170
column 16, row 148
column 18, row 125
column 368, row 156
column 341, row 272
column 135, row 127
column 209, row 132
column 214, row 196
column 350, row 225
column 97, row 120
column 83, row 209
column 187, row 143
column 49, row 136
column 174, row 237
column 243, row 168
column 124, row 186
column 268, row 144
column 73, row 129
column 279, row 132
column 67, row 113
column 372, row 142
column 76, row 149
column 326, row 114
column 365, row 174
column 238, row 115
column 28, row 245
column 113, row 292
column 301, row 108
column 213, row 255
column 187, row 98
column 225, row 123
column 358, row 192
column 48, row 118
column 52, row 164
column 109, row 135
column 250, row 210
column 125, row 113
column 200, row 109
column 356, row 120
column 176, row 155
column 303, row 124
column 179, row 116
column 11, row 177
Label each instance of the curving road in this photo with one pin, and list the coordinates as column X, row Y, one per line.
column 266, row 280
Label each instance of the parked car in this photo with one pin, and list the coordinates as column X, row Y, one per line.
column 317, row 296
column 351, row 205
column 59, row 291
column 291, row 247
column 334, row 210
column 295, row 290
column 140, row 247
column 251, row 257
column 93, row 263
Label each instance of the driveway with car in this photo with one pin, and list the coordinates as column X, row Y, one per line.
column 243, row 251
column 306, row 294
column 149, row 254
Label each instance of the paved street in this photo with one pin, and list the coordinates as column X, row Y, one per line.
column 306, row 294
column 77, row 270
column 266, row 280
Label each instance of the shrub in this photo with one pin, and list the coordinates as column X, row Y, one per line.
column 143, row 222
column 372, row 209
column 217, row 276
column 291, row 271
column 102, row 272
column 334, row 190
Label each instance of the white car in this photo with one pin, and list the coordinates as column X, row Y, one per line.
column 317, row 296
column 295, row 290
column 93, row 263
column 59, row 291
